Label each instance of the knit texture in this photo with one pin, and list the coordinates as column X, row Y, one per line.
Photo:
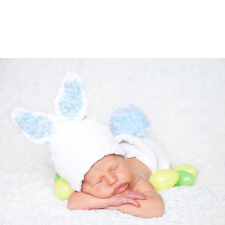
column 129, row 120
column 76, row 147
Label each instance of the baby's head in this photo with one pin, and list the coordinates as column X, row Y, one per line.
column 109, row 176
column 75, row 141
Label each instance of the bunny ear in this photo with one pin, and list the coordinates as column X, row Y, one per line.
column 71, row 101
column 129, row 120
column 37, row 127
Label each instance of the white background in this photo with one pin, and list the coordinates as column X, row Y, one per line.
column 184, row 100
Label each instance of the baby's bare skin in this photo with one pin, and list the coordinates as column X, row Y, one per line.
column 138, row 167
column 116, row 183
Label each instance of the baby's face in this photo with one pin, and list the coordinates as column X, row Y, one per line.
column 109, row 176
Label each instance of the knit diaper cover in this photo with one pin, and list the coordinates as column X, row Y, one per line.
column 146, row 150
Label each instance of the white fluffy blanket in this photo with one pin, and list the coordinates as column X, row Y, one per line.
column 184, row 100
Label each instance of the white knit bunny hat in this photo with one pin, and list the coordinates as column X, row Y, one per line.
column 76, row 142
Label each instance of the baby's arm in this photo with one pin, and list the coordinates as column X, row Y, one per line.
column 153, row 206
column 81, row 200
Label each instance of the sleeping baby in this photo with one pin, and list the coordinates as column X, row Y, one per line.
column 117, row 183
column 105, row 169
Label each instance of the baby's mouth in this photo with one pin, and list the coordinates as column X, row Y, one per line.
column 119, row 187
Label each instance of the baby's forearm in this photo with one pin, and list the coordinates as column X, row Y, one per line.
column 153, row 206
column 81, row 200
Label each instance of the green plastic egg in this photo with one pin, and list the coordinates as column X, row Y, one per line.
column 185, row 179
column 57, row 177
column 188, row 168
column 164, row 179
column 62, row 189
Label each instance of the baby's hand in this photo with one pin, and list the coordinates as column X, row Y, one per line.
column 126, row 197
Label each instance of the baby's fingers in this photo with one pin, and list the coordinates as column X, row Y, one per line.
column 135, row 203
column 137, row 195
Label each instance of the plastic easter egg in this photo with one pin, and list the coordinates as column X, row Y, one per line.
column 164, row 179
column 185, row 179
column 188, row 168
column 57, row 177
column 62, row 189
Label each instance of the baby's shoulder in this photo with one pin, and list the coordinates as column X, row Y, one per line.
column 142, row 185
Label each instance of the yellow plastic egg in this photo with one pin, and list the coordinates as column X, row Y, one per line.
column 188, row 168
column 164, row 179
column 62, row 189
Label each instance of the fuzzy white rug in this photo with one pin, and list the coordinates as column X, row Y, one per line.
column 184, row 100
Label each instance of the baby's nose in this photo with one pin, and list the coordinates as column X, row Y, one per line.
column 112, row 178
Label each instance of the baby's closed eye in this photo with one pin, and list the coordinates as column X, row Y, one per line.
column 115, row 167
column 98, row 182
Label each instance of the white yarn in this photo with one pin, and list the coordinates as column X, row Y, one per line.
column 145, row 150
column 76, row 146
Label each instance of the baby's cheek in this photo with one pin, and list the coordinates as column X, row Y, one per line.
column 84, row 189
column 95, row 191
column 123, row 173
column 87, row 189
column 103, row 192
column 92, row 192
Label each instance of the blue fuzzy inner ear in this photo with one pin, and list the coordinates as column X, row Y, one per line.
column 71, row 102
column 36, row 126
column 129, row 120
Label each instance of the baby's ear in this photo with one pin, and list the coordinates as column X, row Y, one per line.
column 36, row 126
column 71, row 101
